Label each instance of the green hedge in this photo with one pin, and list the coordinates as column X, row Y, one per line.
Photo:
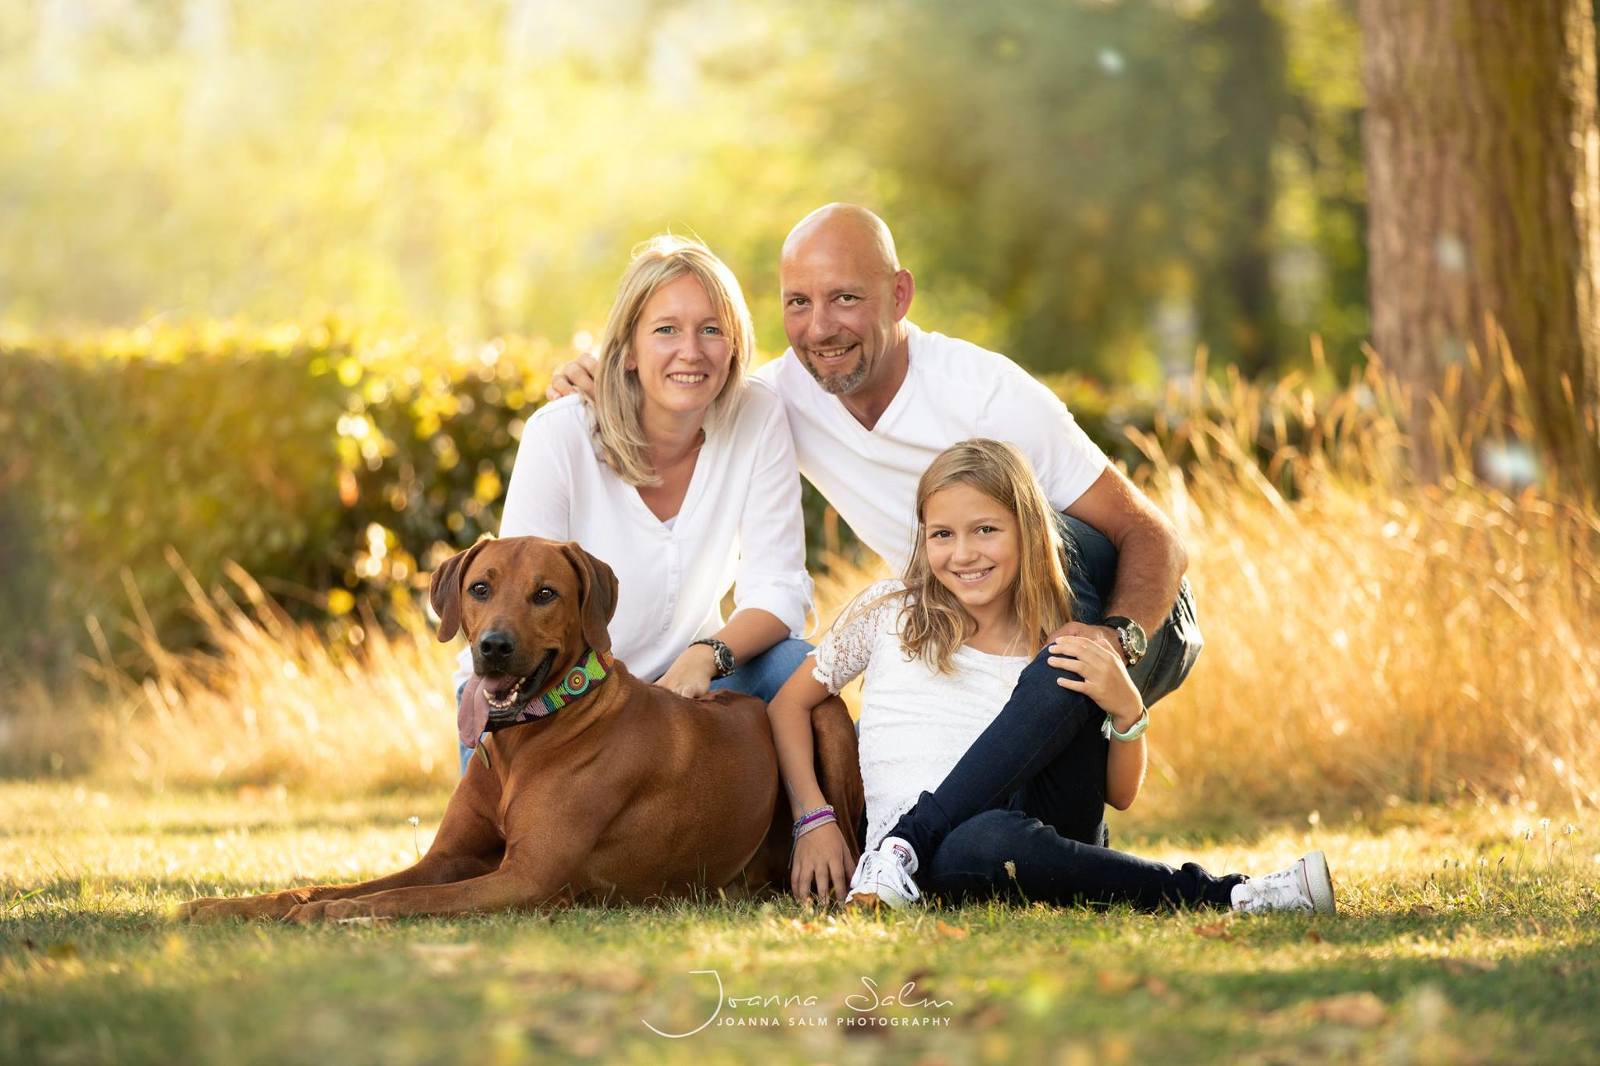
column 318, row 460
column 336, row 468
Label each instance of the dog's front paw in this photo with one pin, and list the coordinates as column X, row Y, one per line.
column 209, row 909
column 329, row 910
column 190, row 911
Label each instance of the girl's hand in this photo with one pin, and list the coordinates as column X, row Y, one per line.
column 821, row 859
column 1105, row 677
column 691, row 673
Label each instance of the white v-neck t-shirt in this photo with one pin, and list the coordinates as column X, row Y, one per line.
column 953, row 391
column 740, row 526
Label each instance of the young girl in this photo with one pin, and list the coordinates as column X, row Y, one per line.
column 942, row 649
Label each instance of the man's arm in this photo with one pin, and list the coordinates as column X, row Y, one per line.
column 1150, row 557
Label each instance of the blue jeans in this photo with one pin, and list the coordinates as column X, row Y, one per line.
column 764, row 675
column 1044, row 866
column 761, row 677
column 1043, row 762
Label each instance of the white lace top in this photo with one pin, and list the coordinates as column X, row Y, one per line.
column 915, row 723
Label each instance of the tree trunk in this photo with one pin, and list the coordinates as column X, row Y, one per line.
column 1251, row 100
column 1483, row 175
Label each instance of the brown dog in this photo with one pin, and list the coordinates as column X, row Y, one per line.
column 627, row 793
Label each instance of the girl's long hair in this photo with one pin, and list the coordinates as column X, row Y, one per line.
column 933, row 623
column 658, row 262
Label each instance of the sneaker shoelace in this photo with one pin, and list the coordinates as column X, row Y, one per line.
column 878, row 869
column 1279, row 891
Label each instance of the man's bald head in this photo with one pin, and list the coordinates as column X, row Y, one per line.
column 844, row 298
column 847, row 228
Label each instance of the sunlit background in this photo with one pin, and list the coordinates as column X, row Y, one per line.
column 1080, row 183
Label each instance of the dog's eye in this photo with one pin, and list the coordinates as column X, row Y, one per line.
column 479, row 590
column 544, row 595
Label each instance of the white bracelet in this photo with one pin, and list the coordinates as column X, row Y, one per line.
column 1135, row 731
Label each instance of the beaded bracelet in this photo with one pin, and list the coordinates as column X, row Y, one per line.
column 813, row 818
column 818, row 824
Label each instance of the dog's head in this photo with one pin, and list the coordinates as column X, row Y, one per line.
column 527, row 606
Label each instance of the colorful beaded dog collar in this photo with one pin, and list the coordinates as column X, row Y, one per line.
column 584, row 675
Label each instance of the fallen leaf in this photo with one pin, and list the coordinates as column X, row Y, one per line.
column 1461, row 966
column 1114, row 982
column 954, row 932
column 1363, row 1010
column 1314, row 936
column 1213, row 931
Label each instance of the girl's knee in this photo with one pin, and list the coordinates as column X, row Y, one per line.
column 980, row 845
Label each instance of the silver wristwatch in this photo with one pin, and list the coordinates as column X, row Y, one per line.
column 1131, row 635
column 721, row 654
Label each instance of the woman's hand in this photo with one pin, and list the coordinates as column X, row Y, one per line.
column 1105, row 677
column 691, row 673
column 821, row 860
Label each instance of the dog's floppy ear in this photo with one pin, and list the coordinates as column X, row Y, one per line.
column 597, row 595
column 444, row 590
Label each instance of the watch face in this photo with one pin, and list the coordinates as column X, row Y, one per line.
column 1135, row 637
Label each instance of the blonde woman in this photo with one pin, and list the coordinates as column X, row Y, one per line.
column 941, row 650
column 680, row 474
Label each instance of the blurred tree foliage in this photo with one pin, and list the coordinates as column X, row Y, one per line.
column 1086, row 184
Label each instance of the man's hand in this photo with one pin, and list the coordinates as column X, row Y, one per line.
column 691, row 673
column 576, row 376
column 820, row 861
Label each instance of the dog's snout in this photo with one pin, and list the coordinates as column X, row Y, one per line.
column 496, row 646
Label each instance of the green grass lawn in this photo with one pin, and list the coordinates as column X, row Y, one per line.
column 1465, row 936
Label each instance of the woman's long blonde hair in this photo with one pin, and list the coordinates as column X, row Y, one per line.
column 933, row 623
column 617, row 395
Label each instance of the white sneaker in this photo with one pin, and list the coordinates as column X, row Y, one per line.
column 884, row 876
column 1305, row 886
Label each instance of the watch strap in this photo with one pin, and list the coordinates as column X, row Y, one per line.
column 720, row 653
column 1135, row 731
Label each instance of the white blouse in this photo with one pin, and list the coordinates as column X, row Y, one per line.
column 740, row 526
column 915, row 723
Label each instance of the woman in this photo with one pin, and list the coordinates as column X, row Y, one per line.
column 941, row 648
column 681, row 476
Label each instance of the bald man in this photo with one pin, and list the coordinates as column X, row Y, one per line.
column 871, row 399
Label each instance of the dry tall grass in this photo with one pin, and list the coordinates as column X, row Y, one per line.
column 1367, row 636
column 1373, row 637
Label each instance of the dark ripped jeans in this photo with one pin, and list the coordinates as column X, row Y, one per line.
column 1022, row 814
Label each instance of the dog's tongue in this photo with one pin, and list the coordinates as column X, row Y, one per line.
column 500, row 685
column 473, row 714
